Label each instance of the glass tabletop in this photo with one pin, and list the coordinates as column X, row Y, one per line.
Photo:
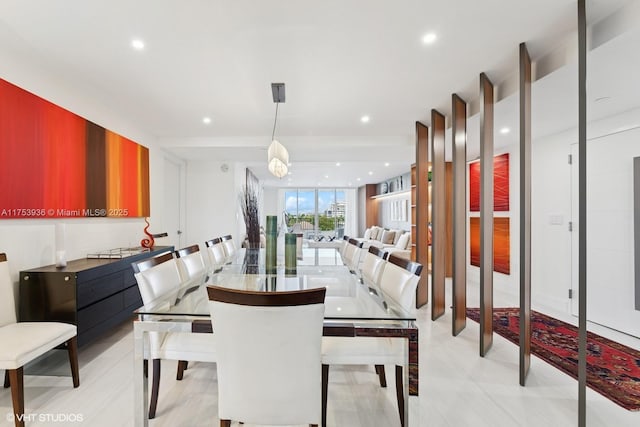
column 253, row 260
column 347, row 298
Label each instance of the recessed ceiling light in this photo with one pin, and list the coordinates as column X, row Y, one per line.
column 206, row 120
column 370, row 173
column 357, row 179
column 429, row 38
column 137, row 44
column 505, row 130
column 338, row 164
column 290, row 173
column 386, row 164
column 326, row 177
column 350, row 184
column 365, row 119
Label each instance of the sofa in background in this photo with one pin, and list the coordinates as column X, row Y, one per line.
column 393, row 241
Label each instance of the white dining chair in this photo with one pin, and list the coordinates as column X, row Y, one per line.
column 352, row 255
column 398, row 281
column 22, row 342
column 190, row 262
column 229, row 246
column 216, row 252
column 372, row 265
column 269, row 368
column 159, row 278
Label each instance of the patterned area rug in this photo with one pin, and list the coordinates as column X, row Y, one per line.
column 613, row 369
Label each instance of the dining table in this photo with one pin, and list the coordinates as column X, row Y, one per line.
column 353, row 308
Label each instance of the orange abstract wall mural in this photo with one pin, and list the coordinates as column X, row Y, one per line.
column 55, row 164
column 501, row 243
column 500, row 184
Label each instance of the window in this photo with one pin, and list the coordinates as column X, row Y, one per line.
column 319, row 214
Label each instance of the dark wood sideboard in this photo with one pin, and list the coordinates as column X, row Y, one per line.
column 93, row 294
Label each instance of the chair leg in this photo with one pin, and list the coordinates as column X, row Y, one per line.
column 325, row 388
column 72, row 348
column 155, row 387
column 381, row 375
column 6, row 378
column 225, row 423
column 17, row 395
column 400, row 394
column 182, row 366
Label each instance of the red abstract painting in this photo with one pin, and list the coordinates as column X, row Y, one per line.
column 501, row 243
column 55, row 164
column 500, row 184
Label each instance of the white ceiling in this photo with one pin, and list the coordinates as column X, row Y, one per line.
column 339, row 59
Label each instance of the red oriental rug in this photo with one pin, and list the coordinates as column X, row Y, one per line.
column 613, row 369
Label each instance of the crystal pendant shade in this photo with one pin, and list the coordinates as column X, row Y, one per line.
column 278, row 158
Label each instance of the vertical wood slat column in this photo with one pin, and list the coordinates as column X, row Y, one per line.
column 422, row 211
column 438, row 216
column 636, row 228
column 459, row 288
column 371, row 206
column 525, row 213
column 486, row 214
column 582, row 214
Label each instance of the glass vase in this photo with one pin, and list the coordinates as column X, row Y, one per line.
column 271, row 252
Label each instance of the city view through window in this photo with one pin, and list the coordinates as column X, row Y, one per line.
column 317, row 213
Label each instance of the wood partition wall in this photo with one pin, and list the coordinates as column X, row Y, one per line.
column 525, row 213
column 486, row 214
column 438, row 214
column 421, row 228
column 459, row 288
column 371, row 206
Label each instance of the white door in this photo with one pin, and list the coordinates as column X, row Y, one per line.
column 173, row 202
column 610, row 263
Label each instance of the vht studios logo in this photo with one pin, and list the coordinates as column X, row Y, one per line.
column 46, row 418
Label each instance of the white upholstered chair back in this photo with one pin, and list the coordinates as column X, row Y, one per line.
column 217, row 255
column 399, row 281
column 269, row 367
column 372, row 265
column 157, row 277
column 229, row 246
column 7, row 297
column 190, row 262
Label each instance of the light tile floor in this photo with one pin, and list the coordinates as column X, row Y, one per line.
column 457, row 388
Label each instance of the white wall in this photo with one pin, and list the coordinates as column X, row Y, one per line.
column 362, row 211
column 30, row 243
column 212, row 201
column 385, row 207
column 272, row 205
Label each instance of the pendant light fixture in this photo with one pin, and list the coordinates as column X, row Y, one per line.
column 278, row 156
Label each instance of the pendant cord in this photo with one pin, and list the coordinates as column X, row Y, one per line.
column 274, row 122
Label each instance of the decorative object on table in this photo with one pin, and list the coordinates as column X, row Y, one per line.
column 278, row 156
column 250, row 205
column 61, row 253
column 272, row 242
column 613, row 369
column 290, row 253
column 149, row 241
